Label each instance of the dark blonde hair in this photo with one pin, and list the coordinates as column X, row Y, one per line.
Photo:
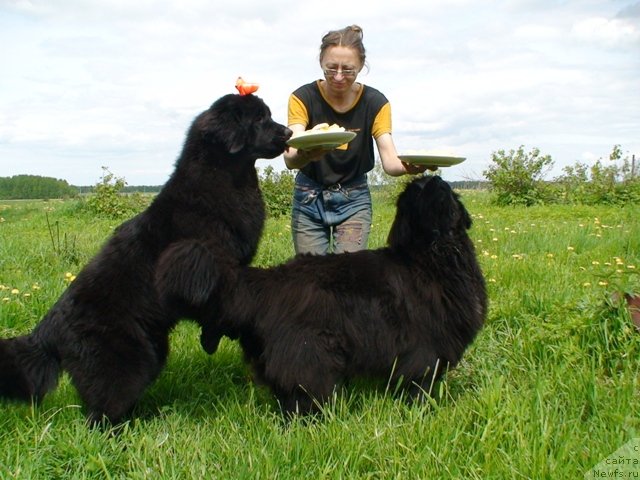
column 350, row 36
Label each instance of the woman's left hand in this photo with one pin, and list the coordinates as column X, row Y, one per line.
column 413, row 169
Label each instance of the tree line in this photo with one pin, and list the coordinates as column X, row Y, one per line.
column 20, row 187
column 34, row 186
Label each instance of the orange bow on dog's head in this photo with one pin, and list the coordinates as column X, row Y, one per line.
column 245, row 88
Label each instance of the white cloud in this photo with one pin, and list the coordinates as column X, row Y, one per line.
column 608, row 32
column 92, row 83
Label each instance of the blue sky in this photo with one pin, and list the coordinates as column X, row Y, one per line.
column 116, row 83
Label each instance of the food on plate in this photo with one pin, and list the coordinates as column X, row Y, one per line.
column 325, row 127
column 320, row 128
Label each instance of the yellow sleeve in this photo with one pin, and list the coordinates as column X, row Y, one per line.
column 382, row 122
column 297, row 113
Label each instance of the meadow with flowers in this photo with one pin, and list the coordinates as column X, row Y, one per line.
column 548, row 389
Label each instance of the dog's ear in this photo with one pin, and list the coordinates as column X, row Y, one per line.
column 224, row 129
column 437, row 207
column 442, row 209
column 222, row 124
column 466, row 218
column 401, row 232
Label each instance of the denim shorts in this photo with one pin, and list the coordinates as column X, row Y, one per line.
column 335, row 218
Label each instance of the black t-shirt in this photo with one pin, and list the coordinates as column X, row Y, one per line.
column 369, row 115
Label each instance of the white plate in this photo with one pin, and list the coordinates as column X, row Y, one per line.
column 432, row 160
column 320, row 139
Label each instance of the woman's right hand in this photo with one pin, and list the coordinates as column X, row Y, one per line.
column 312, row 154
column 299, row 158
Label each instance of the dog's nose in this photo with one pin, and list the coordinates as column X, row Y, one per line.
column 287, row 133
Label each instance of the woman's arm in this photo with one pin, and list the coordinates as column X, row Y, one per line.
column 391, row 164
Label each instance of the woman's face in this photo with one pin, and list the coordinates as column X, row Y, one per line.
column 341, row 66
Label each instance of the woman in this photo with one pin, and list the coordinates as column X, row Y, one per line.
column 332, row 201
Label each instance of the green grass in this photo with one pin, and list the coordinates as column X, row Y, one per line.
column 548, row 389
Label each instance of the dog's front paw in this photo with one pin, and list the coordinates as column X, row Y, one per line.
column 210, row 341
column 186, row 275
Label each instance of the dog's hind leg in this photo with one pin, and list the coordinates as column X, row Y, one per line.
column 303, row 400
column 303, row 374
column 417, row 373
column 111, row 377
column 27, row 370
column 295, row 402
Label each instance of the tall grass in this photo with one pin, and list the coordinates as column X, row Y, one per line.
column 548, row 389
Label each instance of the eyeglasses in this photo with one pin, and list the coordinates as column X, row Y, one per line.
column 332, row 72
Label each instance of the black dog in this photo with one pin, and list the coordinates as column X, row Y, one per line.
column 405, row 312
column 109, row 329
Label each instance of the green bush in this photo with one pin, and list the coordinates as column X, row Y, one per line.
column 108, row 199
column 516, row 178
column 614, row 183
column 277, row 191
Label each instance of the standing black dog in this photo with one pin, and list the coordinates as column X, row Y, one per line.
column 109, row 329
column 405, row 312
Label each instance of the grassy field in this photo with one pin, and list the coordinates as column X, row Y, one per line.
column 548, row 390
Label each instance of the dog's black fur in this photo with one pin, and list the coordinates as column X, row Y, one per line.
column 109, row 330
column 405, row 312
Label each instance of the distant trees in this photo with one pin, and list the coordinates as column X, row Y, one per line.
column 34, row 186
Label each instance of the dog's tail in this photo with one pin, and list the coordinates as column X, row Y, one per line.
column 27, row 370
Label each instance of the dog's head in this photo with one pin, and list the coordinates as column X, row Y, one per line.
column 427, row 210
column 241, row 125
